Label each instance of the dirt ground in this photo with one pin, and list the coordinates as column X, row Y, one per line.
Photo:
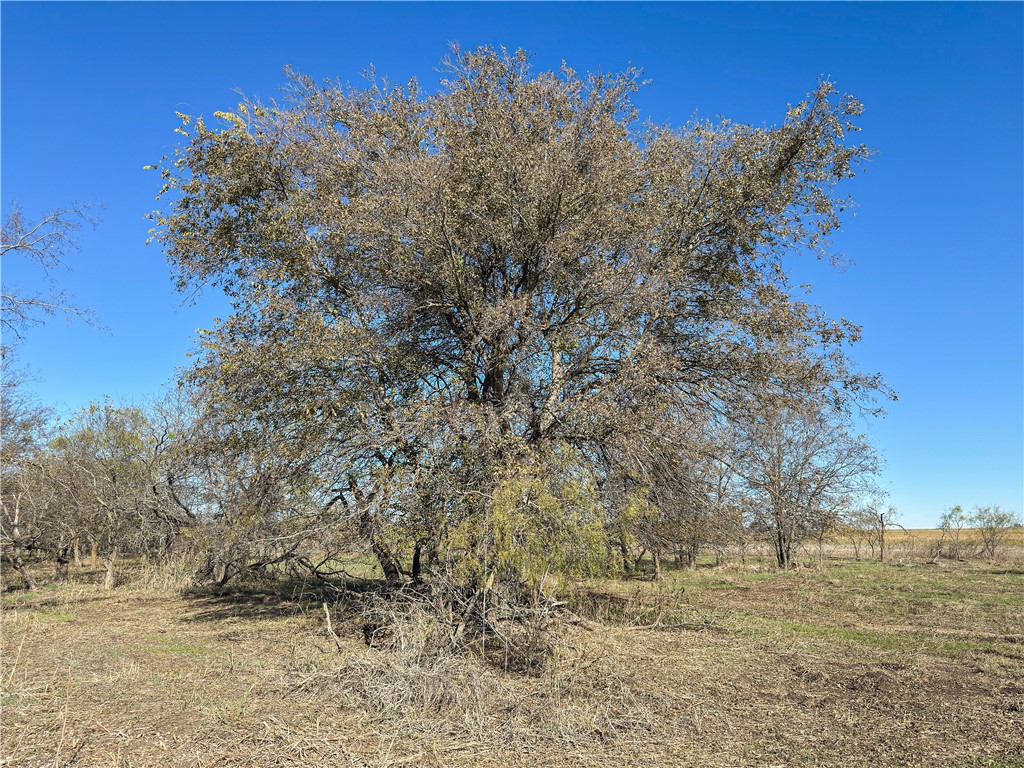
column 852, row 664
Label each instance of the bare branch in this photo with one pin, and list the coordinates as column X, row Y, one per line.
column 47, row 243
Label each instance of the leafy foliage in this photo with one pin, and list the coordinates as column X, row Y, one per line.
column 467, row 307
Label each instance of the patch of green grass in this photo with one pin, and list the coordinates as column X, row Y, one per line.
column 867, row 639
column 19, row 598
column 724, row 585
column 16, row 700
column 54, row 614
column 864, row 607
column 1013, row 600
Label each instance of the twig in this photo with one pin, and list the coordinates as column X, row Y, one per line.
column 17, row 657
column 330, row 627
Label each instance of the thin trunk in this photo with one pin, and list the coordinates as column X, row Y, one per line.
column 624, row 551
column 691, row 555
column 17, row 548
column 781, row 550
column 26, row 577
column 368, row 527
column 388, row 563
column 639, row 559
column 110, row 580
column 416, row 565
column 63, row 561
column 222, row 578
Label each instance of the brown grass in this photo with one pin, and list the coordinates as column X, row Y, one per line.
column 854, row 664
column 1014, row 537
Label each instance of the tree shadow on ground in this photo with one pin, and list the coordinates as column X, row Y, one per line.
column 49, row 594
column 1004, row 570
column 276, row 600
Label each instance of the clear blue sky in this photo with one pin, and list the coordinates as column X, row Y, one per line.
column 89, row 93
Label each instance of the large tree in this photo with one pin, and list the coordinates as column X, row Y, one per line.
column 472, row 303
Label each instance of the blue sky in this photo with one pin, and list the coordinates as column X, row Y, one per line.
column 89, row 93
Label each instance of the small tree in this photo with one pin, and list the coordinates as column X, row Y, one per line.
column 952, row 523
column 993, row 524
column 860, row 526
column 886, row 519
column 691, row 503
column 799, row 464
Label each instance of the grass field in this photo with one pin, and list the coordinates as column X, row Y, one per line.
column 853, row 664
column 920, row 544
column 1013, row 541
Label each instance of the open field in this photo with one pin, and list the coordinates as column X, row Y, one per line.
column 1014, row 536
column 855, row 664
column 923, row 537
column 914, row 545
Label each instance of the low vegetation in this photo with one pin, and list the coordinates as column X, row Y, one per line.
column 852, row 663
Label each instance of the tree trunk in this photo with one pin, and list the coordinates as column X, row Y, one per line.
column 624, row 552
column 416, row 565
column 17, row 548
column 385, row 557
column 78, row 553
column 388, row 563
column 110, row 580
column 639, row 559
column 782, row 549
column 368, row 527
column 63, row 561
column 220, row 579
column 26, row 577
column 656, row 557
column 691, row 555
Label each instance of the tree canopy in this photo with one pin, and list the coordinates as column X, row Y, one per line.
column 485, row 306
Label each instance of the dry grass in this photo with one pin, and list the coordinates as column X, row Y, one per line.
column 853, row 664
column 1014, row 536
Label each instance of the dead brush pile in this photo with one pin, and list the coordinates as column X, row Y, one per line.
column 526, row 679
